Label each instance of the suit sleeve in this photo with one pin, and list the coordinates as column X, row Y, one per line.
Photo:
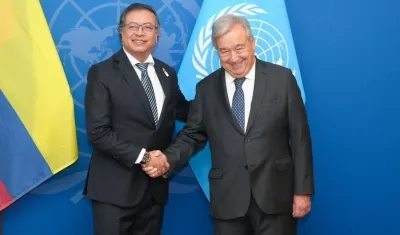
column 191, row 138
column 300, row 139
column 182, row 105
column 98, row 121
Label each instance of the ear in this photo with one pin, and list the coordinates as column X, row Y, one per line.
column 253, row 44
column 157, row 35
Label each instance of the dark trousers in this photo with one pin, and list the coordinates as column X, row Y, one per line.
column 256, row 222
column 143, row 219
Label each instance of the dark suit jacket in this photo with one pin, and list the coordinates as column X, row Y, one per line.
column 120, row 123
column 272, row 159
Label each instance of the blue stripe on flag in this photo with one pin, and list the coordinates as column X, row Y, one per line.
column 22, row 166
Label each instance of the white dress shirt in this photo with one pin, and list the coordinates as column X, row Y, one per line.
column 248, row 89
column 158, row 90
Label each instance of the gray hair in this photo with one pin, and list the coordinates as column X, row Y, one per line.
column 224, row 23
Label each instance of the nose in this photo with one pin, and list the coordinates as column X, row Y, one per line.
column 234, row 56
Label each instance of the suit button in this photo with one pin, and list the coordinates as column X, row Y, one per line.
column 248, row 140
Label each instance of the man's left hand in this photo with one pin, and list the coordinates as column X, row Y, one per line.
column 301, row 205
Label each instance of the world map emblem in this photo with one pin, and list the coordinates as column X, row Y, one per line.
column 83, row 37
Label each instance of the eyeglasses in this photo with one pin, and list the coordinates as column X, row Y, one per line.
column 146, row 27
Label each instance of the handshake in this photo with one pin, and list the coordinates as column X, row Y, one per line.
column 156, row 165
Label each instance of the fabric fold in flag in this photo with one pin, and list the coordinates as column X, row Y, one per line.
column 37, row 124
column 274, row 43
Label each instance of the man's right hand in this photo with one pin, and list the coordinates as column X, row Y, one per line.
column 157, row 166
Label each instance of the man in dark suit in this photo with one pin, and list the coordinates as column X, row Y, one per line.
column 132, row 101
column 253, row 115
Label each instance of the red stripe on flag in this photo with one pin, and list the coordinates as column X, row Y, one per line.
column 5, row 197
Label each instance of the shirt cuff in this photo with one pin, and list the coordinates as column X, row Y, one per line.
column 140, row 157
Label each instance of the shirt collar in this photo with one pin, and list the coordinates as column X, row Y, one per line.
column 134, row 61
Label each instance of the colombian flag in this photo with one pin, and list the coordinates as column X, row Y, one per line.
column 37, row 125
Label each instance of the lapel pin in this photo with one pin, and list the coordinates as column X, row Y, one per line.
column 165, row 72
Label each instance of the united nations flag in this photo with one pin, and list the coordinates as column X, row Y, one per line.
column 274, row 43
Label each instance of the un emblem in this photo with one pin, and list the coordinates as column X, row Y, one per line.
column 270, row 44
column 85, row 34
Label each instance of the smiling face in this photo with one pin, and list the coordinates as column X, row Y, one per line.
column 236, row 51
column 139, row 33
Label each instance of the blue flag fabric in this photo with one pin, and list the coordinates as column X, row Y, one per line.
column 274, row 43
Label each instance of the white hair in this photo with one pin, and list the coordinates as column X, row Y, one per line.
column 223, row 24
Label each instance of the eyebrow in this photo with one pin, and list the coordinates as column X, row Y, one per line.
column 139, row 23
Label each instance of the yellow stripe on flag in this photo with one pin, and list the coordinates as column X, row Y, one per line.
column 33, row 80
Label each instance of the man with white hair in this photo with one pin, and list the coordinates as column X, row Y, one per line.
column 253, row 115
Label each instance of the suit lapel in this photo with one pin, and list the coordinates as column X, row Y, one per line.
column 162, row 76
column 133, row 80
column 225, row 100
column 260, row 85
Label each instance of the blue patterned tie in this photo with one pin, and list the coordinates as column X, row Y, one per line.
column 238, row 102
column 148, row 87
